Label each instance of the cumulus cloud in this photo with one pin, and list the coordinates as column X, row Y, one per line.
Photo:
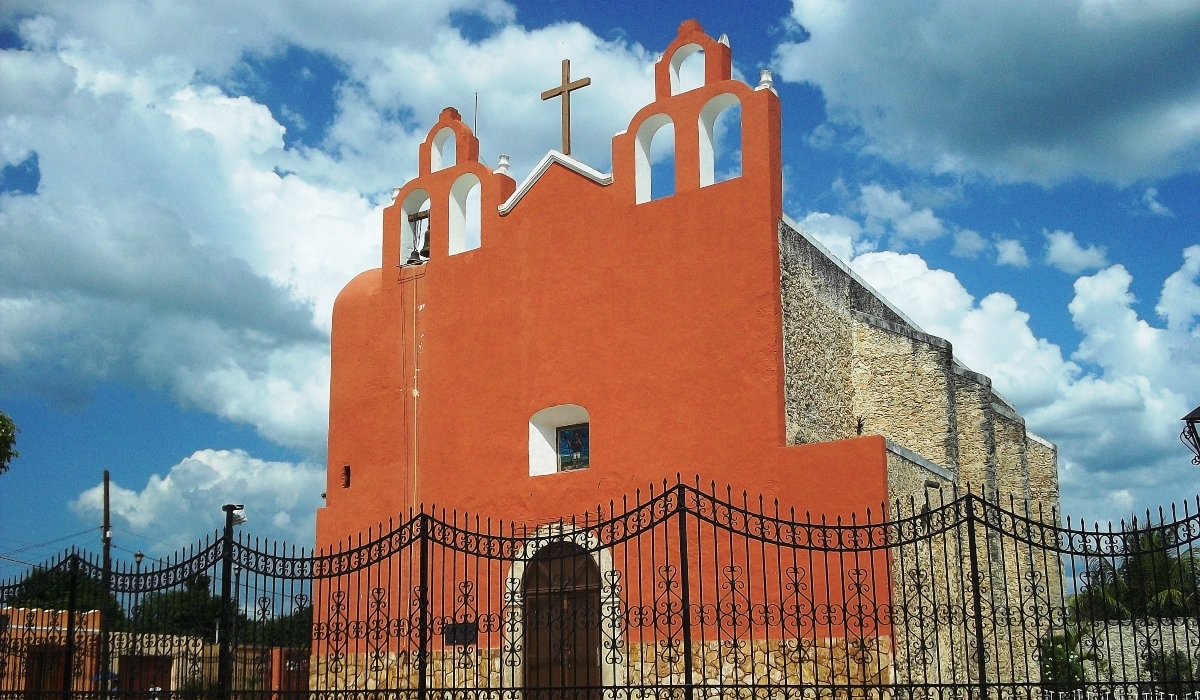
column 182, row 507
column 1025, row 90
column 887, row 210
column 1009, row 251
column 840, row 234
column 1112, row 406
column 175, row 242
column 1065, row 253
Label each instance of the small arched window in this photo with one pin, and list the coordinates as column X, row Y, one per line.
column 654, row 159
column 720, row 140
column 414, row 228
column 559, row 440
column 444, row 152
column 687, row 68
column 465, row 214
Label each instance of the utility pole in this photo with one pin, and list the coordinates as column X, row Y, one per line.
column 105, row 587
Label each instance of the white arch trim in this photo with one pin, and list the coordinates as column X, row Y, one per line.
column 681, row 54
column 641, row 155
column 465, row 215
column 439, row 158
column 543, row 165
column 708, row 119
column 612, row 666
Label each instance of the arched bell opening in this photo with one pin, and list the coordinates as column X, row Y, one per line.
column 720, row 139
column 562, row 621
column 687, row 68
column 465, row 214
column 654, row 159
column 414, row 228
column 444, row 151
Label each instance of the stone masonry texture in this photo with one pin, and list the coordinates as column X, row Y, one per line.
column 854, row 366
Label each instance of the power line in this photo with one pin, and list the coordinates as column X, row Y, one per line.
column 17, row 561
column 148, row 539
column 47, row 542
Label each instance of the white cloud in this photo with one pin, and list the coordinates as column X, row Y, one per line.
column 968, row 244
column 888, row 210
column 1022, row 90
column 840, row 234
column 1011, row 252
column 174, row 243
column 1179, row 303
column 182, row 507
column 1113, row 406
column 822, row 137
column 1150, row 199
column 1065, row 253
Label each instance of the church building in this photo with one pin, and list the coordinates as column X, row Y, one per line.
column 531, row 350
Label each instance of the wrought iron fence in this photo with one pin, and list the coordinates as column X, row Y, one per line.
column 682, row 594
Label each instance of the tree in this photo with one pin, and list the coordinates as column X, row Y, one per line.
column 192, row 610
column 8, row 440
column 1062, row 661
column 50, row 589
column 1150, row 581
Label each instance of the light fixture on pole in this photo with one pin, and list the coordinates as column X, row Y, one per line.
column 235, row 513
column 1191, row 433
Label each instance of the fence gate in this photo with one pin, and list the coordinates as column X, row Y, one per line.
column 685, row 594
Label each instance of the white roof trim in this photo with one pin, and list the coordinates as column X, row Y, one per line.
column 846, row 268
column 543, row 165
column 928, row 464
column 1041, row 440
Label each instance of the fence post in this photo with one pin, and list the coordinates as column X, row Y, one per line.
column 686, row 593
column 72, row 604
column 977, row 594
column 423, row 636
column 225, row 622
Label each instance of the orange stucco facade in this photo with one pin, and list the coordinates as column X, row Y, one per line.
column 662, row 319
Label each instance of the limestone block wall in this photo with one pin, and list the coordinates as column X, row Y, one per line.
column 976, row 438
column 1042, row 457
column 1012, row 467
column 902, row 387
column 818, row 343
column 914, row 480
column 831, row 661
column 855, row 365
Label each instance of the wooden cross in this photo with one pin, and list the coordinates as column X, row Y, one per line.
column 565, row 90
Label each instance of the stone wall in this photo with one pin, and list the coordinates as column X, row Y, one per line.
column 1042, row 457
column 817, row 343
column 901, row 380
column 915, row 481
column 976, row 438
column 836, row 661
column 855, row 365
column 1120, row 647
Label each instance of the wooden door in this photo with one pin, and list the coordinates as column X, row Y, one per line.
column 562, row 624
column 148, row 676
column 44, row 667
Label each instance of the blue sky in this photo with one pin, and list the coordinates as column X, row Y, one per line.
column 185, row 188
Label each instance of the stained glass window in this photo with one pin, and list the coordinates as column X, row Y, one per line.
column 573, row 447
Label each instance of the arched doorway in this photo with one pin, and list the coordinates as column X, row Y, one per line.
column 562, row 623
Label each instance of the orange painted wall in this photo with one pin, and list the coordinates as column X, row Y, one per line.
column 662, row 319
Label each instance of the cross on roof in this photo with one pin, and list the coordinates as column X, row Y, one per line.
column 565, row 91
